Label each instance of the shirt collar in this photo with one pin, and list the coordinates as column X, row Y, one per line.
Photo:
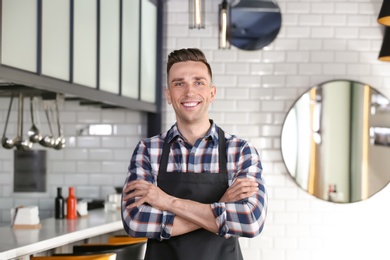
column 211, row 134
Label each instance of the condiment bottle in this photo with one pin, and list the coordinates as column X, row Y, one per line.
column 59, row 205
column 71, row 205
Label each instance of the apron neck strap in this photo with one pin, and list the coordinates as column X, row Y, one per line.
column 221, row 153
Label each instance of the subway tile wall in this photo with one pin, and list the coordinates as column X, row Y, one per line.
column 318, row 41
column 94, row 165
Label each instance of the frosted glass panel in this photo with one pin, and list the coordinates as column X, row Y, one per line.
column 148, row 51
column 19, row 34
column 109, row 45
column 130, row 48
column 55, row 38
column 85, row 51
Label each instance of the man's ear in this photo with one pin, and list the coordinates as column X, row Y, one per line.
column 213, row 92
column 168, row 96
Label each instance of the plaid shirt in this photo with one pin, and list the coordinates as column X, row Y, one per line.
column 243, row 218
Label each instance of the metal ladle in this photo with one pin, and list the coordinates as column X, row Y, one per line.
column 47, row 140
column 60, row 141
column 21, row 144
column 6, row 142
column 33, row 133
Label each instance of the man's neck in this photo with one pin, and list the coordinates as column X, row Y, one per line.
column 192, row 132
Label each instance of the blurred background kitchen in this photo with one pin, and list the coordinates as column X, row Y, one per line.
column 318, row 42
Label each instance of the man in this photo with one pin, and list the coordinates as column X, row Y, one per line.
column 194, row 189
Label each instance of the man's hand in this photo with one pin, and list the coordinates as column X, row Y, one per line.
column 242, row 188
column 147, row 193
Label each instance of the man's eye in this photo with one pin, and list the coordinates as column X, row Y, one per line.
column 199, row 83
column 178, row 84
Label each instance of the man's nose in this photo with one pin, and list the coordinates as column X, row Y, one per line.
column 189, row 89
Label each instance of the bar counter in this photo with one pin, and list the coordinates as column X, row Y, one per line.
column 20, row 243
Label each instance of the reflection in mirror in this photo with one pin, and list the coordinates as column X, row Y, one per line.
column 336, row 141
column 254, row 24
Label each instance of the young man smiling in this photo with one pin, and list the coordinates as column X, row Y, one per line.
column 193, row 190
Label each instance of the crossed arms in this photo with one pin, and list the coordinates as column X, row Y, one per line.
column 147, row 211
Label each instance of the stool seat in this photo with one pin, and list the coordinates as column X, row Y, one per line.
column 134, row 251
column 117, row 240
column 105, row 256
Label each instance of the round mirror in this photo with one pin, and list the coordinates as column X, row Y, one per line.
column 254, row 24
column 335, row 141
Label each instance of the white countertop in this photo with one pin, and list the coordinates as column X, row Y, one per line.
column 56, row 232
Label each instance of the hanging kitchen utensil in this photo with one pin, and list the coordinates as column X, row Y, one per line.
column 33, row 133
column 47, row 140
column 17, row 139
column 6, row 142
column 60, row 141
column 21, row 144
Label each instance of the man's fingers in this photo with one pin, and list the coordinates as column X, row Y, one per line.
column 135, row 193
column 135, row 204
column 244, row 182
column 243, row 188
column 244, row 185
column 137, row 185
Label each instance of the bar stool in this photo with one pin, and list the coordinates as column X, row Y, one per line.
column 105, row 256
column 126, row 240
column 126, row 251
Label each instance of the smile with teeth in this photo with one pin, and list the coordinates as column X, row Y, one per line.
column 190, row 104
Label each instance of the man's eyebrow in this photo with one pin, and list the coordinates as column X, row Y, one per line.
column 177, row 79
column 199, row 78
column 194, row 78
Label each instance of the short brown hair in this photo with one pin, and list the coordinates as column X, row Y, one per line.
column 190, row 54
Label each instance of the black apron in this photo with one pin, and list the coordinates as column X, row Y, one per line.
column 204, row 188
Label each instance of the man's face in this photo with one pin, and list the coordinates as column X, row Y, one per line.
column 190, row 91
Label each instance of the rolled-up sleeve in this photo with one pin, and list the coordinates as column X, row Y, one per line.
column 144, row 221
column 246, row 217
